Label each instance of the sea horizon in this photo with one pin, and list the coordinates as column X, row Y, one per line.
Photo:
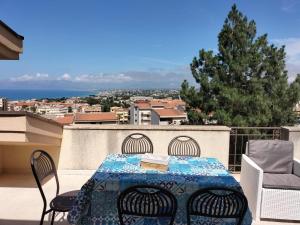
column 26, row 94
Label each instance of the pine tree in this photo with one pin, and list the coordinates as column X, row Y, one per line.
column 245, row 83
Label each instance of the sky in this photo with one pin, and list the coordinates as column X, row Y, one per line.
column 95, row 44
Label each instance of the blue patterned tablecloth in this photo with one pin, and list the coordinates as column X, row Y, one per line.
column 96, row 203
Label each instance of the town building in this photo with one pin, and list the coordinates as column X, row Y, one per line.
column 91, row 108
column 140, row 98
column 141, row 111
column 3, row 104
column 168, row 117
column 29, row 106
column 96, row 118
column 122, row 114
column 52, row 111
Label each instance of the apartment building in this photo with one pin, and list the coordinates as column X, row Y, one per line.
column 168, row 117
column 141, row 111
column 140, row 98
column 24, row 106
column 122, row 114
column 52, row 111
column 91, row 108
column 3, row 104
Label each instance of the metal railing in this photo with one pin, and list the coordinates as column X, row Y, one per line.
column 239, row 137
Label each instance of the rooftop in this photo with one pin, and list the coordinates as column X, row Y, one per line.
column 163, row 103
column 104, row 116
column 5, row 26
column 66, row 120
column 166, row 113
column 11, row 43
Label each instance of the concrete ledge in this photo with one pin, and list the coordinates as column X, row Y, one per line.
column 148, row 127
column 27, row 128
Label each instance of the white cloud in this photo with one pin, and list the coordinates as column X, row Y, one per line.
column 41, row 76
column 103, row 78
column 26, row 77
column 289, row 6
column 158, row 78
column 65, row 76
column 292, row 47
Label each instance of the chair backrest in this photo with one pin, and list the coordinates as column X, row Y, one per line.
column 147, row 201
column 43, row 167
column 273, row 156
column 184, row 146
column 137, row 144
column 217, row 203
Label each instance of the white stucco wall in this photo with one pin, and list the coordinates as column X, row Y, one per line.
column 1, row 158
column 154, row 118
column 293, row 134
column 86, row 146
column 16, row 158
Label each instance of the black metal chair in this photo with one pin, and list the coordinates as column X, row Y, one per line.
column 184, row 146
column 147, row 201
column 137, row 144
column 217, row 203
column 43, row 168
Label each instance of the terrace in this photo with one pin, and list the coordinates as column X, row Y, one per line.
column 79, row 149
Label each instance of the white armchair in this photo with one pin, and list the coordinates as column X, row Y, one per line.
column 271, row 195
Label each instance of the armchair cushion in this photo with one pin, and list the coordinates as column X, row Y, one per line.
column 281, row 181
column 273, row 156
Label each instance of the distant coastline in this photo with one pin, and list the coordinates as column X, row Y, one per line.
column 19, row 94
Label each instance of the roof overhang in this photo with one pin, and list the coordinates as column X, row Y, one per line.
column 11, row 43
column 22, row 128
column 95, row 121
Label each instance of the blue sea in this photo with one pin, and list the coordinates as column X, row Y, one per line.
column 39, row 94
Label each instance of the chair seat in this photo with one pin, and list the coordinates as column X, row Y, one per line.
column 63, row 202
column 281, row 181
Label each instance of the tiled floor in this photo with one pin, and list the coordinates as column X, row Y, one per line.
column 21, row 203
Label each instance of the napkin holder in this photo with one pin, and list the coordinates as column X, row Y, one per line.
column 155, row 162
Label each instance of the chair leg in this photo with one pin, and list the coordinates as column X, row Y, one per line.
column 42, row 218
column 53, row 216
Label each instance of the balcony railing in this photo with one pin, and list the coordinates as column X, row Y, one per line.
column 239, row 137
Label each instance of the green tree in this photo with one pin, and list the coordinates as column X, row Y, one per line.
column 245, row 83
column 70, row 110
column 92, row 101
column 107, row 103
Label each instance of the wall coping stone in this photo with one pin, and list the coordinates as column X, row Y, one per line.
column 292, row 128
column 147, row 127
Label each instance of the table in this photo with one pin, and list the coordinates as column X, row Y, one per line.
column 96, row 202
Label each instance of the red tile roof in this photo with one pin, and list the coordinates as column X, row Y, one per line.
column 165, row 103
column 143, row 105
column 104, row 116
column 66, row 120
column 25, row 104
column 169, row 113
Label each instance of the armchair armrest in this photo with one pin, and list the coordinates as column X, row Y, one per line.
column 296, row 167
column 251, row 182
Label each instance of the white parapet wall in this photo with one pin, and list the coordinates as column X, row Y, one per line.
column 292, row 134
column 84, row 147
